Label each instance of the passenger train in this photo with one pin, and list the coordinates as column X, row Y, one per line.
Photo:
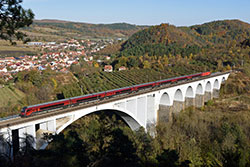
column 74, row 101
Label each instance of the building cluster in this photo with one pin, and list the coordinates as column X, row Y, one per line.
column 87, row 45
column 56, row 56
column 109, row 68
column 55, row 61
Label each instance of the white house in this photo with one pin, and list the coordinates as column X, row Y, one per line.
column 3, row 69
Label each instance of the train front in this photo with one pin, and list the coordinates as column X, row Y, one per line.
column 23, row 112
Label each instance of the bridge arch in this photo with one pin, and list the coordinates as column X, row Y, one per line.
column 208, row 87
column 223, row 80
column 199, row 89
column 165, row 99
column 190, row 92
column 128, row 117
column 178, row 96
column 216, row 84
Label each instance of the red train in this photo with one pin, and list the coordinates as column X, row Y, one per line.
column 74, row 101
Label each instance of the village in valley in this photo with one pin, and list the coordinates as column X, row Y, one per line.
column 56, row 56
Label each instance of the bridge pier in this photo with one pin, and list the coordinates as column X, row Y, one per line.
column 208, row 96
column 216, row 93
column 199, row 100
column 165, row 113
column 189, row 101
column 24, row 132
column 151, row 116
column 178, row 106
column 142, row 109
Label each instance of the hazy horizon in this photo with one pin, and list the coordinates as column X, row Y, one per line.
column 60, row 20
column 140, row 12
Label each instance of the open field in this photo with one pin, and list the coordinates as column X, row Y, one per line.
column 6, row 49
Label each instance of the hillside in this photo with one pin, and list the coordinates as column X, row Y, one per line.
column 60, row 30
column 161, row 34
column 149, row 55
column 209, row 33
column 10, row 95
column 175, row 40
column 222, row 32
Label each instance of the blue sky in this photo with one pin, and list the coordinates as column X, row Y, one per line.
column 141, row 12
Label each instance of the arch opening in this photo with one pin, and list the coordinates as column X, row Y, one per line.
column 165, row 99
column 190, row 92
column 132, row 122
column 199, row 89
column 178, row 96
column 223, row 80
column 208, row 87
column 216, row 84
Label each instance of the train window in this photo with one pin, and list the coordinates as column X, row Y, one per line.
column 51, row 107
column 124, row 91
column 88, row 99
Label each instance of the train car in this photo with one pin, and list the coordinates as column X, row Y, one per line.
column 82, row 99
column 118, row 91
column 86, row 98
column 193, row 76
column 205, row 73
column 144, row 86
column 27, row 111
column 186, row 77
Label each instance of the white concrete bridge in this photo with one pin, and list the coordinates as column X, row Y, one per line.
column 144, row 108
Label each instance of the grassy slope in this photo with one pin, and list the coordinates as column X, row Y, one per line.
column 8, row 96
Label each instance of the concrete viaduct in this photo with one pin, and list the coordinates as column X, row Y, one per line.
column 144, row 108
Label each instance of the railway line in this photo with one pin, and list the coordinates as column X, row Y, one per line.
column 16, row 119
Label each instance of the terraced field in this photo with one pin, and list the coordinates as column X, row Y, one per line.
column 95, row 82
column 103, row 81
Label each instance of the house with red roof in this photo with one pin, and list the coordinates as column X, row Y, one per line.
column 108, row 68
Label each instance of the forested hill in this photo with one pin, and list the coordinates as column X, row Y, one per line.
column 223, row 32
column 58, row 29
column 168, row 38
